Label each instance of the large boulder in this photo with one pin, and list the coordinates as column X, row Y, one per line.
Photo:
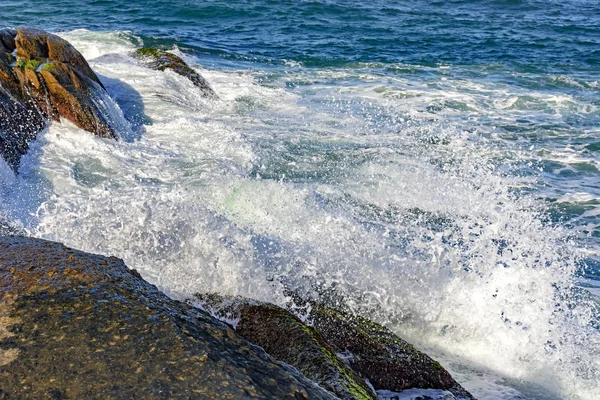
column 76, row 326
column 375, row 352
column 162, row 60
column 335, row 349
column 43, row 77
column 288, row 339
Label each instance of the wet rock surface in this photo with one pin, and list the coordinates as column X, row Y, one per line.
column 43, row 77
column 389, row 362
column 75, row 325
column 369, row 350
column 286, row 338
column 162, row 60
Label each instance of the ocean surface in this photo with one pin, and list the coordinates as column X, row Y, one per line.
column 434, row 165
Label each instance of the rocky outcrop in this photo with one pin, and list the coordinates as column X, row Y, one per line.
column 287, row 339
column 162, row 60
column 77, row 326
column 43, row 77
column 375, row 352
column 332, row 343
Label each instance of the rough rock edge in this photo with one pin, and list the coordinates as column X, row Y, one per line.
column 287, row 339
column 43, row 77
column 379, row 354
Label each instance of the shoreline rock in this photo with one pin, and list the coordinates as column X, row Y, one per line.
column 161, row 60
column 285, row 337
column 77, row 325
column 330, row 344
column 43, row 77
column 388, row 361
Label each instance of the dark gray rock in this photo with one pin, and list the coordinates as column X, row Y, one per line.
column 369, row 350
column 162, row 60
column 20, row 116
column 77, row 326
column 375, row 352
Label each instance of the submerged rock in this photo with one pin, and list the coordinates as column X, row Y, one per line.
column 43, row 77
column 162, row 60
column 286, row 338
column 75, row 325
column 369, row 350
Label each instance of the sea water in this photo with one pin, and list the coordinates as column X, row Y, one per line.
column 434, row 166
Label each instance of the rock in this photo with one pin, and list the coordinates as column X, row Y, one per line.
column 10, row 227
column 43, row 77
column 75, row 325
column 370, row 350
column 286, row 338
column 162, row 60
column 375, row 352
column 20, row 117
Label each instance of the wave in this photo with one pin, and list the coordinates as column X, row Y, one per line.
column 341, row 184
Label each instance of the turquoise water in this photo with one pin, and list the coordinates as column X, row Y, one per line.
column 434, row 165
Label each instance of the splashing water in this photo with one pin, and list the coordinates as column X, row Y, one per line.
column 346, row 184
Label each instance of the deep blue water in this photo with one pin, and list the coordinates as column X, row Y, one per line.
column 528, row 35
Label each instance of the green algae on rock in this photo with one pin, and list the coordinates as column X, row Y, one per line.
column 286, row 338
column 389, row 362
column 75, row 325
column 368, row 349
column 162, row 60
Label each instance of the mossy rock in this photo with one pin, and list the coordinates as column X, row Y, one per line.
column 389, row 362
column 48, row 67
column 162, row 60
column 29, row 64
column 74, row 325
column 288, row 339
column 369, row 349
column 148, row 52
